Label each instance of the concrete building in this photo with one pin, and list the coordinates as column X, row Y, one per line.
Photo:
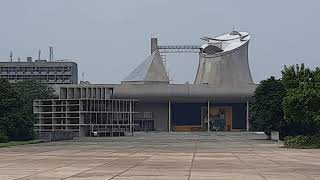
column 217, row 101
column 51, row 72
column 222, row 89
column 85, row 111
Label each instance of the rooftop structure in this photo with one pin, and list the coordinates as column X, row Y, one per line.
column 51, row 72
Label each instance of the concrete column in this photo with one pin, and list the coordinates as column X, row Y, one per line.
column 208, row 116
column 52, row 119
column 169, row 116
column 247, row 117
column 130, row 117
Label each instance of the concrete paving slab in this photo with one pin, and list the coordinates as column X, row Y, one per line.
column 217, row 155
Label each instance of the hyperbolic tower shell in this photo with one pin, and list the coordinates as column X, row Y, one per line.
column 223, row 61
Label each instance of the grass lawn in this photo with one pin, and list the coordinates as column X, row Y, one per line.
column 18, row 143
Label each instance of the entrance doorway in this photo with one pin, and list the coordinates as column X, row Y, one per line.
column 220, row 118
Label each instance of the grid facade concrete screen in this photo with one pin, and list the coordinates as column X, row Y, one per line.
column 85, row 111
column 218, row 100
column 50, row 72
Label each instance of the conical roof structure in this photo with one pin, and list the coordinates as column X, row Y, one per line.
column 149, row 71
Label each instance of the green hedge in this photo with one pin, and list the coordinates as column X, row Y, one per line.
column 303, row 142
column 18, row 143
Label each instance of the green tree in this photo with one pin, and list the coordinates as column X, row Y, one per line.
column 266, row 111
column 16, row 107
column 302, row 110
column 297, row 76
column 302, row 102
column 8, row 107
column 30, row 90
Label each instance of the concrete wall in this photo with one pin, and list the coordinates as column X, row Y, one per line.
column 160, row 113
column 184, row 92
column 55, row 136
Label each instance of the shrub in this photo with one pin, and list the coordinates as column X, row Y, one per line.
column 303, row 142
column 3, row 138
column 299, row 128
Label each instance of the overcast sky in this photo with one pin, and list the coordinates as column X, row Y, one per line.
column 109, row 38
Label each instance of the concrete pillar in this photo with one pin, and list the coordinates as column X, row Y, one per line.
column 208, row 116
column 247, row 117
column 130, row 118
column 154, row 44
column 169, row 116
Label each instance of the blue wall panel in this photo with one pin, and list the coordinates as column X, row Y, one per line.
column 239, row 116
column 186, row 113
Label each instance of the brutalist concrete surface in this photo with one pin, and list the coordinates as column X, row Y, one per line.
column 185, row 156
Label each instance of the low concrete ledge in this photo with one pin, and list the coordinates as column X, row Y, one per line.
column 55, row 136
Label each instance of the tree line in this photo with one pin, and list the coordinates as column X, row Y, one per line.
column 290, row 104
column 16, row 108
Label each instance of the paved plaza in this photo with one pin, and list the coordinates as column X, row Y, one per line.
column 198, row 156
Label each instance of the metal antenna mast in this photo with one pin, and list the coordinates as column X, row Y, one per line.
column 39, row 54
column 50, row 53
column 10, row 56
